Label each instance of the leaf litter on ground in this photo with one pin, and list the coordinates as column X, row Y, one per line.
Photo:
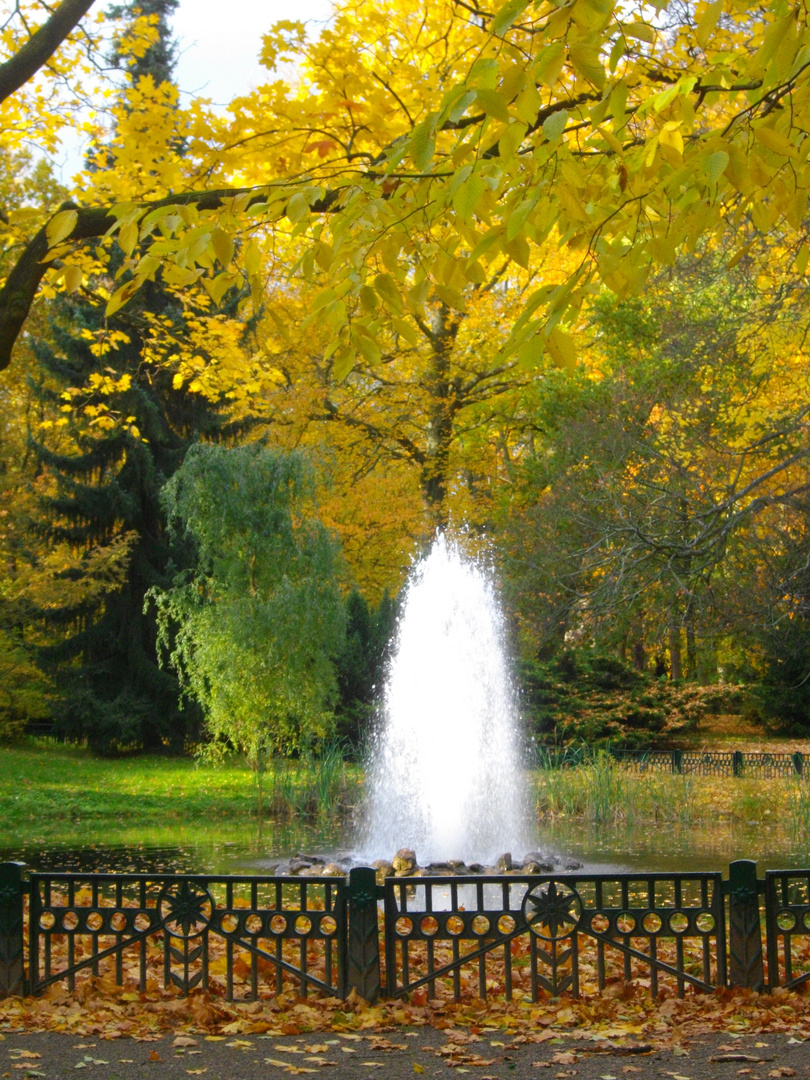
column 626, row 1019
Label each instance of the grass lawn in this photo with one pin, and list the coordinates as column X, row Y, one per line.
column 52, row 790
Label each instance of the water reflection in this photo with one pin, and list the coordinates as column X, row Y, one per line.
column 246, row 850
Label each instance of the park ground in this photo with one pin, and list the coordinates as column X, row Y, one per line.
column 719, row 1036
column 46, row 789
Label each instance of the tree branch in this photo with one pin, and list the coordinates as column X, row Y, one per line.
column 41, row 46
column 20, row 288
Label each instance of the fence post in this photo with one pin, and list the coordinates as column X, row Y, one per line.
column 364, row 935
column 798, row 762
column 677, row 761
column 744, row 933
column 12, row 887
column 737, row 763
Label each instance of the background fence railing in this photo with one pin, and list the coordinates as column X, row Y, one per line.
column 451, row 937
column 698, row 762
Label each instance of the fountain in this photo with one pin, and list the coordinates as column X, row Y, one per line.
column 446, row 777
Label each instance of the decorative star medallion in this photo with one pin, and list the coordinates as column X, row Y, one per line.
column 185, row 908
column 552, row 910
column 363, row 897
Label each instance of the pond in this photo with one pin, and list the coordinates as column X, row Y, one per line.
column 246, row 850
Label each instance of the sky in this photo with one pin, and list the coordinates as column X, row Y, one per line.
column 218, row 46
column 218, row 56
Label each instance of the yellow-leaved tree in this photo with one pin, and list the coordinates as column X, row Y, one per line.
column 423, row 143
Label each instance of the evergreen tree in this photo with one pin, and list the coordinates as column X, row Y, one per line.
column 127, row 441
column 159, row 59
column 361, row 665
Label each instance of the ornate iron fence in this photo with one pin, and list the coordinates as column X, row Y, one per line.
column 554, row 933
column 292, row 930
column 452, row 937
column 787, row 904
column 696, row 762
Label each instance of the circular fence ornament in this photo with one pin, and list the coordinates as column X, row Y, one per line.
column 185, row 908
column 552, row 910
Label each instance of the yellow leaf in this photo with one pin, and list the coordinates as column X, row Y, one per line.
column 493, row 104
column 73, row 278
column 670, row 136
column 467, row 197
column 775, row 141
column 128, row 237
column 506, row 15
column 368, row 348
column 120, row 297
column 253, row 258
column 585, row 59
column 386, row 287
column 554, row 125
column 550, row 63
column 343, row 363
column 298, row 207
column 715, row 164
column 405, row 330
column 423, row 143
column 562, row 348
column 218, row 286
column 639, row 30
column 707, row 23
column 451, row 297
column 61, row 226
column 222, row 244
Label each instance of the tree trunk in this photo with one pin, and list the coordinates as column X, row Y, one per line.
column 691, row 644
column 675, row 661
column 442, row 409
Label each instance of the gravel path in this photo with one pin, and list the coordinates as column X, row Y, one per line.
column 399, row 1054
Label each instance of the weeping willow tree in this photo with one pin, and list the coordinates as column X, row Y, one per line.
column 253, row 629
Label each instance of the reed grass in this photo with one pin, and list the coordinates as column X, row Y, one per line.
column 798, row 808
column 604, row 791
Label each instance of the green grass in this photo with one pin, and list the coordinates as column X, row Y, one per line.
column 604, row 791
column 57, row 790
column 52, row 794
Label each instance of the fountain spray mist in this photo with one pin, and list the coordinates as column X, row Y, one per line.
column 446, row 776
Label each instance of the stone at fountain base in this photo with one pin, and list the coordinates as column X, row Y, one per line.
column 405, row 864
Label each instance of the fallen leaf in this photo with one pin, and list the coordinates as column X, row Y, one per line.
column 184, row 1040
column 154, row 1056
column 739, row 1057
column 196, row 1072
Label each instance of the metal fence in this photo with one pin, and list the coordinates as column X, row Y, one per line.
column 696, row 762
column 454, row 938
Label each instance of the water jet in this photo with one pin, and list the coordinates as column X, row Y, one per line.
column 446, row 776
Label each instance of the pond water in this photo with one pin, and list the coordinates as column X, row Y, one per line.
column 246, row 850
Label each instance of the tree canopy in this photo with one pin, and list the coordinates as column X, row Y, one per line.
column 259, row 620
column 421, row 144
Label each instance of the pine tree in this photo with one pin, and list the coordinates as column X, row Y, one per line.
column 159, row 59
column 361, row 666
column 114, row 693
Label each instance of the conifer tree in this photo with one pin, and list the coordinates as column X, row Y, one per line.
column 130, row 433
